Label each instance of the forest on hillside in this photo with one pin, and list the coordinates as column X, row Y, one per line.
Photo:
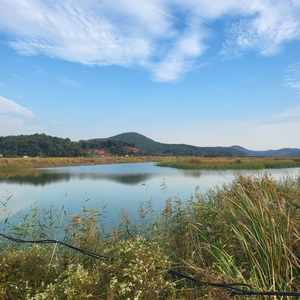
column 43, row 145
column 132, row 144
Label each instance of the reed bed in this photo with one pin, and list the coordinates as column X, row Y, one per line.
column 11, row 164
column 188, row 163
column 245, row 231
column 230, row 163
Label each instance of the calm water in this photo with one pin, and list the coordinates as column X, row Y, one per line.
column 120, row 185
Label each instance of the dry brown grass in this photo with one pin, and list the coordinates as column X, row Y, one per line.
column 220, row 160
column 176, row 162
column 223, row 163
column 70, row 161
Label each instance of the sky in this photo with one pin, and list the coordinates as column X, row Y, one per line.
column 199, row 72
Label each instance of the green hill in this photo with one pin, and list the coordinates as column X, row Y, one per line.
column 140, row 141
column 121, row 144
column 151, row 147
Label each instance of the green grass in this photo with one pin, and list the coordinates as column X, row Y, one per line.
column 246, row 231
column 230, row 163
column 41, row 162
column 9, row 167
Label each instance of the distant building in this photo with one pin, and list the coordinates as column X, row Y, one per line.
column 100, row 152
column 134, row 150
column 25, row 156
column 1, row 155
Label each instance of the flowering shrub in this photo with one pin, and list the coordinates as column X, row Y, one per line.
column 21, row 272
column 75, row 283
column 138, row 272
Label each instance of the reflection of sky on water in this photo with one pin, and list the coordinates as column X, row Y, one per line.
column 124, row 185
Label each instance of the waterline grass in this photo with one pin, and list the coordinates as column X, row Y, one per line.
column 7, row 164
column 242, row 163
column 187, row 163
column 246, row 231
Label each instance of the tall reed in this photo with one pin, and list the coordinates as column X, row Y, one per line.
column 246, row 231
column 257, row 225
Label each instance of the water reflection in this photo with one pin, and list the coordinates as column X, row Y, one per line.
column 34, row 178
column 42, row 178
column 124, row 185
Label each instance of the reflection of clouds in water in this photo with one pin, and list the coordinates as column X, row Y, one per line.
column 16, row 198
column 12, row 208
column 131, row 174
column 126, row 185
column 201, row 173
column 232, row 174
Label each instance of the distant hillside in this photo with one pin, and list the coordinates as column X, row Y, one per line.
column 279, row 152
column 150, row 146
column 140, row 141
column 39, row 145
column 120, row 145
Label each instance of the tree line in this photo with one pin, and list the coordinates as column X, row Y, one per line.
column 43, row 145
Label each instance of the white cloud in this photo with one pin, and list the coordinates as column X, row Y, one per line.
column 16, row 126
column 9, row 106
column 166, row 37
column 264, row 29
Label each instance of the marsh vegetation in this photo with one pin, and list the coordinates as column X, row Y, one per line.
column 187, row 163
column 247, row 230
column 11, row 164
column 230, row 163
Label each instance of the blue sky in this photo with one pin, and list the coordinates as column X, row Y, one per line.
column 200, row 72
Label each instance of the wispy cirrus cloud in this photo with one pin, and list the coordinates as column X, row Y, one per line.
column 68, row 82
column 166, row 37
column 17, row 76
column 9, row 106
column 290, row 112
column 292, row 78
column 265, row 27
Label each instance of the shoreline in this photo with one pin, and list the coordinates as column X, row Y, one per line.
column 187, row 163
column 7, row 164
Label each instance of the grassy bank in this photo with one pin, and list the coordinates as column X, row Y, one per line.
column 247, row 231
column 187, row 163
column 7, row 164
column 230, row 163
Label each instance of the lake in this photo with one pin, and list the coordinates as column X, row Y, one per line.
column 115, row 185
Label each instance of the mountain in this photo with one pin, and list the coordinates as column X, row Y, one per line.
column 140, row 141
column 144, row 143
column 279, row 152
column 121, row 144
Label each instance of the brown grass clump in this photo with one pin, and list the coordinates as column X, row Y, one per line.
column 7, row 164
